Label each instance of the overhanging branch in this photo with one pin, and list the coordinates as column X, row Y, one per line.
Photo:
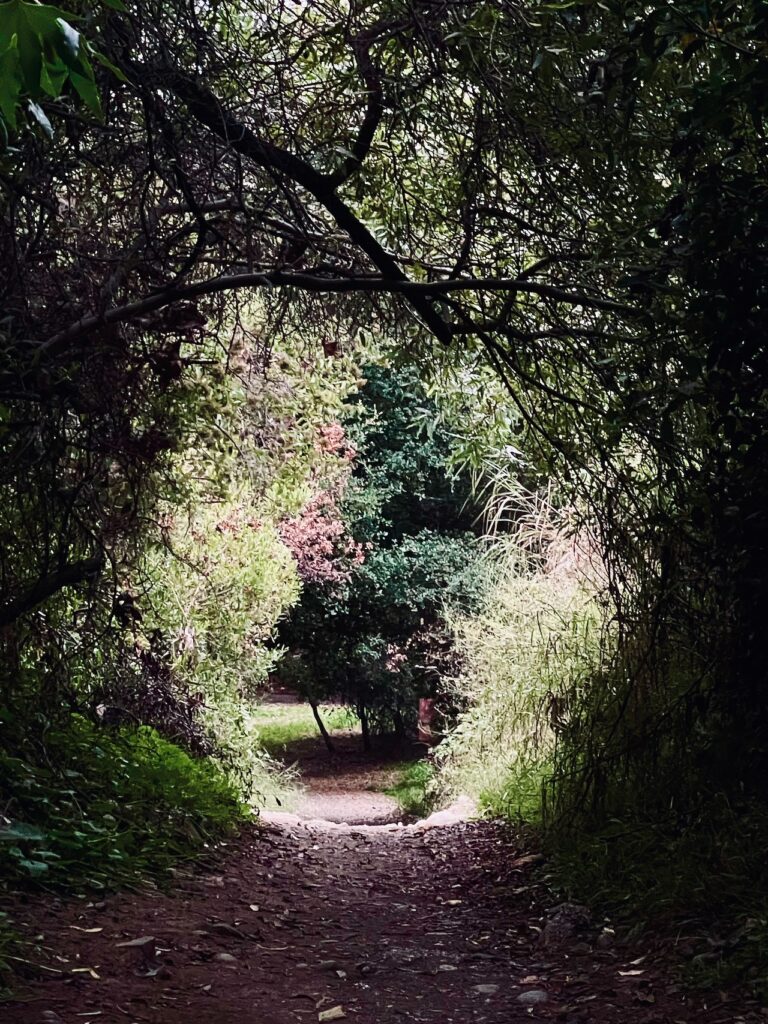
column 316, row 283
column 208, row 110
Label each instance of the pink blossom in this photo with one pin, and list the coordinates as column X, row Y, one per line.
column 317, row 539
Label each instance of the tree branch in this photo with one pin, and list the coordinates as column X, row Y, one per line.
column 319, row 284
column 51, row 584
column 371, row 76
column 206, row 108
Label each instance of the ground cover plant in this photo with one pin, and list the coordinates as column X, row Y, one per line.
column 109, row 806
column 413, row 789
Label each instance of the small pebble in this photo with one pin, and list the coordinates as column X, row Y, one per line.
column 534, row 997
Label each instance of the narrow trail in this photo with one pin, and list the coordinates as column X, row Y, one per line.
column 300, row 920
column 347, row 786
column 306, row 923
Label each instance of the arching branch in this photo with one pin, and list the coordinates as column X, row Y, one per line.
column 208, row 110
column 413, row 290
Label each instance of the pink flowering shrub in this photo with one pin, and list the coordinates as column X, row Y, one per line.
column 318, row 540
column 332, row 440
column 317, row 537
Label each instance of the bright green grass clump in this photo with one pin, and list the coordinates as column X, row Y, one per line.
column 413, row 789
column 90, row 806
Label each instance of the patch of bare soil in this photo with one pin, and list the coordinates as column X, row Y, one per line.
column 346, row 786
column 375, row 925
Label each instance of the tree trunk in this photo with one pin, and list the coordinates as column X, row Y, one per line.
column 321, row 726
column 366, row 732
column 397, row 716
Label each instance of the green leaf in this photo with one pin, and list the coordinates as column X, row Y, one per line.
column 10, row 82
column 39, row 115
column 116, row 5
column 40, row 52
column 42, row 16
column 72, row 39
column 86, row 90
column 107, row 63
column 34, row 867
column 21, row 830
column 53, row 75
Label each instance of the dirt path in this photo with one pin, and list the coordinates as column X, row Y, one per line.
column 382, row 924
column 347, row 785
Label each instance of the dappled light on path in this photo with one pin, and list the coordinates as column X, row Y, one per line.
column 362, row 814
column 346, row 786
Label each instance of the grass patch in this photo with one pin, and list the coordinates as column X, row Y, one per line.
column 8, row 943
column 413, row 789
column 280, row 725
column 705, row 878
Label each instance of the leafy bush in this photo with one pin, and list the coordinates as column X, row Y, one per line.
column 86, row 805
column 412, row 551
column 414, row 790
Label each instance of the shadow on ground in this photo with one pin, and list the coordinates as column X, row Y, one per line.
column 349, row 784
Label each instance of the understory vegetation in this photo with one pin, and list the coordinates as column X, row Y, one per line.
column 414, row 789
column 410, row 553
column 540, row 625
column 399, row 352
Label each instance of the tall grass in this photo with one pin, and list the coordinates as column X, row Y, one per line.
column 582, row 714
column 538, row 635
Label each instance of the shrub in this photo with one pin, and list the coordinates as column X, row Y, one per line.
column 537, row 631
column 87, row 805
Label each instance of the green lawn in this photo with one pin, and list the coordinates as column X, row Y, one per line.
column 412, row 788
column 280, row 725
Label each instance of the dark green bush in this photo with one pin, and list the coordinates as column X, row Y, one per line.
column 87, row 805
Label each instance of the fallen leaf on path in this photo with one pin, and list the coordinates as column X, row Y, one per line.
column 86, row 970
column 143, row 940
column 88, row 931
column 531, row 858
column 533, row 997
column 335, row 1013
column 486, row 990
column 228, row 929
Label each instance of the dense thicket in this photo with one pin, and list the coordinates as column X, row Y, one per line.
column 569, row 198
